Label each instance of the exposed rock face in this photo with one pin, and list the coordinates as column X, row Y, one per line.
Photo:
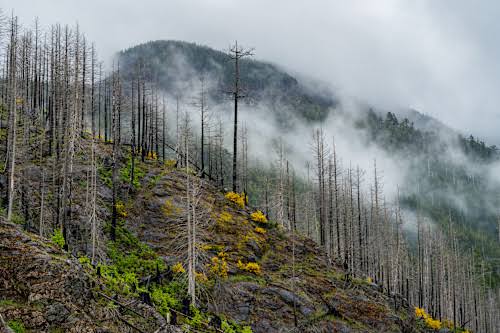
column 46, row 290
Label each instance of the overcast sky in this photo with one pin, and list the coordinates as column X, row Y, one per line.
column 439, row 57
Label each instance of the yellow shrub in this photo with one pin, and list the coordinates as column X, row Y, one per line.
column 178, row 268
column 222, row 255
column 219, row 267
column 420, row 312
column 238, row 199
column 152, row 155
column 258, row 216
column 433, row 323
column 429, row 321
column 225, row 217
column 120, row 209
column 369, row 280
column 251, row 267
column 201, row 277
column 260, row 230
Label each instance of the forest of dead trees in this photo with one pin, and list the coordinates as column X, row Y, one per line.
column 58, row 102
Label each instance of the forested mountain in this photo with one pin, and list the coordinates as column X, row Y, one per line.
column 128, row 205
column 177, row 66
column 448, row 176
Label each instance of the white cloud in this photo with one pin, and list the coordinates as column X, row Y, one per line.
column 439, row 57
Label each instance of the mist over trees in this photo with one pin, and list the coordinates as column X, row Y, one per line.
column 58, row 104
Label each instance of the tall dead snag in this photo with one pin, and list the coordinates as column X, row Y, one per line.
column 12, row 113
column 278, row 203
column 164, row 129
column 244, row 158
column 236, row 53
column 190, row 210
column 132, row 139
column 200, row 101
column 115, row 114
column 320, row 151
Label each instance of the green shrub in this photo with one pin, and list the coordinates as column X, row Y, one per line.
column 17, row 219
column 105, row 175
column 168, row 297
column 58, row 238
column 130, row 260
column 16, row 326
column 139, row 173
column 232, row 327
column 198, row 319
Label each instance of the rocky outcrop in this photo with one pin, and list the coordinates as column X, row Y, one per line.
column 45, row 290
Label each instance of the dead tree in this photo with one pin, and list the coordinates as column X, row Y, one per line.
column 237, row 53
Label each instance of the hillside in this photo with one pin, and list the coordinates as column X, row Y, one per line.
column 447, row 175
column 45, row 289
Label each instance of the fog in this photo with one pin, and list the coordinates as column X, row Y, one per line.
column 393, row 55
column 439, row 57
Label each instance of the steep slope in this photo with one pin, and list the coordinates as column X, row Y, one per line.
column 43, row 289
column 290, row 274
column 249, row 273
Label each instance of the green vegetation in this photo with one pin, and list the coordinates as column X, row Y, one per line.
column 16, row 326
column 7, row 302
column 58, row 238
column 168, row 296
column 130, row 260
column 139, row 172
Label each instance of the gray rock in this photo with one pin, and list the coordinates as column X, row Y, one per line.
column 287, row 296
column 56, row 313
column 242, row 313
column 306, row 311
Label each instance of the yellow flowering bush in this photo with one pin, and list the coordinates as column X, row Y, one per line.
column 251, row 267
column 238, row 199
column 178, row 268
column 152, row 155
column 420, row 312
column 260, row 230
column 219, row 265
column 225, row 217
column 259, row 217
column 369, row 280
column 428, row 320
column 433, row 323
column 120, row 209
column 201, row 277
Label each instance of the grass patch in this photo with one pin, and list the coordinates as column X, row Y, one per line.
column 16, row 325
column 247, row 278
column 4, row 303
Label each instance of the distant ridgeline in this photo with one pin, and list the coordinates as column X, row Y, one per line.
column 174, row 65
